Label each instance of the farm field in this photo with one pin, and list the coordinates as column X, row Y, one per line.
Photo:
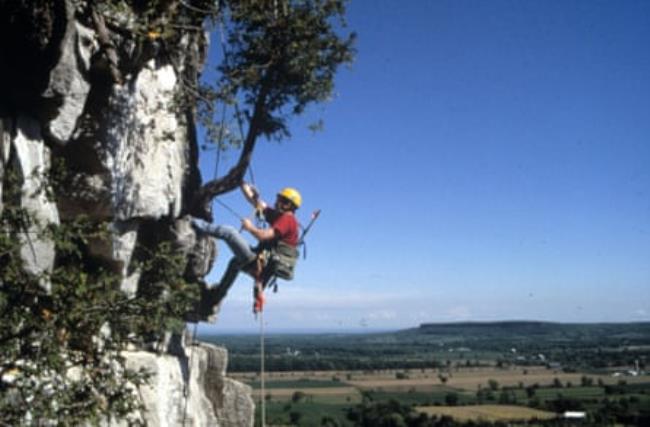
column 321, row 394
column 459, row 373
column 471, row 380
column 277, row 392
column 488, row 412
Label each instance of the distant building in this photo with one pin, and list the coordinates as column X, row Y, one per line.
column 575, row 415
column 294, row 353
column 628, row 373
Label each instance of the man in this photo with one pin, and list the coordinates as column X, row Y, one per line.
column 283, row 229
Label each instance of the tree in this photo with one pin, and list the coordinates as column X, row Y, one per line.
column 451, row 399
column 401, row 375
column 277, row 63
column 562, row 404
column 382, row 414
column 507, row 397
column 295, row 417
column 329, row 421
column 530, row 391
column 586, row 381
column 298, row 396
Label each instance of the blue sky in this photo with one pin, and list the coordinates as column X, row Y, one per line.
column 481, row 160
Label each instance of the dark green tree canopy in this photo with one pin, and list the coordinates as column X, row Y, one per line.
column 279, row 57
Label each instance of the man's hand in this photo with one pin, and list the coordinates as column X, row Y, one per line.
column 249, row 191
column 260, row 234
column 247, row 224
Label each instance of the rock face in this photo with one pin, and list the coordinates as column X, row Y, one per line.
column 130, row 151
column 31, row 160
column 191, row 390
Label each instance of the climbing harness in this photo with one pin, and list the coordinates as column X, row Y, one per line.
column 276, row 263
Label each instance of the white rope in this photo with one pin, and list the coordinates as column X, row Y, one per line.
column 262, row 388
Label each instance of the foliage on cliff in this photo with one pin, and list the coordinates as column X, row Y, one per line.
column 61, row 348
column 64, row 327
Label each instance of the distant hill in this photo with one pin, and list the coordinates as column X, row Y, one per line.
column 522, row 329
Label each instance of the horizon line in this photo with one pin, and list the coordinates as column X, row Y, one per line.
column 371, row 330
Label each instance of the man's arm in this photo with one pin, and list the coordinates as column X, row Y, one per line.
column 261, row 234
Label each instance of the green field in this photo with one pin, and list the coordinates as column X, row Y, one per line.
column 305, row 414
column 301, row 383
column 310, row 399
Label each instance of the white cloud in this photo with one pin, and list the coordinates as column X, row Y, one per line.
column 307, row 306
column 302, row 307
column 324, row 298
column 421, row 316
column 382, row 315
column 459, row 312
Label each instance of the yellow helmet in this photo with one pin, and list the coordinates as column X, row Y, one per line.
column 292, row 195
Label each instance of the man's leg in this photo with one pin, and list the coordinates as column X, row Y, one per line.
column 243, row 255
column 219, row 292
column 235, row 241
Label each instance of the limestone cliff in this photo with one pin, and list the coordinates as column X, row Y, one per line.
column 97, row 91
column 191, row 390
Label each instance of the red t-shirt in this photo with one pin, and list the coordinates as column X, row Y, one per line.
column 284, row 224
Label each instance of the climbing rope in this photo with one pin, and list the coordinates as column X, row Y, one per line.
column 238, row 114
column 218, row 159
column 241, row 137
column 229, row 209
column 262, row 385
column 259, row 309
column 259, row 286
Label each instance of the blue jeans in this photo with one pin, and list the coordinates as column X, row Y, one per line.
column 243, row 255
column 235, row 241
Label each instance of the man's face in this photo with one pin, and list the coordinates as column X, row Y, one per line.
column 283, row 204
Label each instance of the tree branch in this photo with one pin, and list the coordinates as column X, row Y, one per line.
column 202, row 202
column 107, row 45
